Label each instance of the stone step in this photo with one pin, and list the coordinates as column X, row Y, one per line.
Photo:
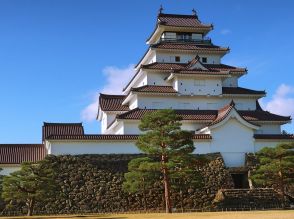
column 247, row 198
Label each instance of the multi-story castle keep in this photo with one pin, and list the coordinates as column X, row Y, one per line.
column 181, row 70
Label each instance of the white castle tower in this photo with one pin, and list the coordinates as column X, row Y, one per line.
column 182, row 70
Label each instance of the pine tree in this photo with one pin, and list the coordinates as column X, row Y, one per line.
column 185, row 175
column 32, row 183
column 2, row 203
column 163, row 139
column 142, row 175
column 276, row 167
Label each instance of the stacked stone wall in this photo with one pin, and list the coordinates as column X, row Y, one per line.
column 93, row 183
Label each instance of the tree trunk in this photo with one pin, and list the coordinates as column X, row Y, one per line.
column 30, row 204
column 250, row 180
column 144, row 196
column 282, row 187
column 166, row 185
column 182, row 200
column 282, row 184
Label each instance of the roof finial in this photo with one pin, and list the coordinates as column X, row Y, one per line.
column 160, row 10
column 194, row 13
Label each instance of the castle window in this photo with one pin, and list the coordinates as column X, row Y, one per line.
column 178, row 58
column 204, row 59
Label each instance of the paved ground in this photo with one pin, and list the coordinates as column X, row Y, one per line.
column 207, row 215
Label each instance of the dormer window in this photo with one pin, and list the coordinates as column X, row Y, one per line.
column 184, row 36
column 204, row 59
column 177, row 58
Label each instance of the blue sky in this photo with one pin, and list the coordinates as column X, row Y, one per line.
column 55, row 55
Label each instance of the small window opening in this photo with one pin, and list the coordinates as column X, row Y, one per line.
column 204, row 59
column 178, row 58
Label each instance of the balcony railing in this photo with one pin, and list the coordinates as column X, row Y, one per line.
column 200, row 41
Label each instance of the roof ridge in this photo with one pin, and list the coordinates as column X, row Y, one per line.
column 112, row 95
column 19, row 144
column 177, row 15
column 62, row 124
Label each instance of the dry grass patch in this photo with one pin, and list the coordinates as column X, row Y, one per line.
column 282, row 214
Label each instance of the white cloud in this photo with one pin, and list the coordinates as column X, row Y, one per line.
column 225, row 31
column 282, row 101
column 116, row 79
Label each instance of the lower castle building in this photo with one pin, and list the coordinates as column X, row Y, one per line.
column 182, row 70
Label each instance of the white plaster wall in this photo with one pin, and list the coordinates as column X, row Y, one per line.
column 176, row 85
column 118, row 129
column 93, row 147
column 193, row 102
column 157, row 79
column 131, row 126
column 202, row 147
column 150, row 58
column 185, row 58
column 133, row 102
column 191, row 126
column 107, row 118
column 111, row 147
column 230, row 82
column 199, row 86
column 103, row 122
column 110, row 117
column 233, row 140
column 269, row 129
column 142, row 80
column 243, row 103
column 6, row 169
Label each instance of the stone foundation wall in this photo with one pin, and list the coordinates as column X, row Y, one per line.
column 246, row 199
column 93, row 183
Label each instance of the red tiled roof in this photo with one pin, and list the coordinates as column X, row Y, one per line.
column 188, row 46
column 112, row 102
column 270, row 136
column 241, row 90
column 185, row 114
column 201, row 72
column 92, row 137
column 155, row 89
column 223, row 113
column 183, row 66
column 260, row 115
column 164, row 66
column 209, row 115
column 223, row 67
column 180, row 20
column 110, row 137
column 18, row 153
column 61, row 129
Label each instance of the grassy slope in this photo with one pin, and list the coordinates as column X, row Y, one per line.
column 206, row 215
